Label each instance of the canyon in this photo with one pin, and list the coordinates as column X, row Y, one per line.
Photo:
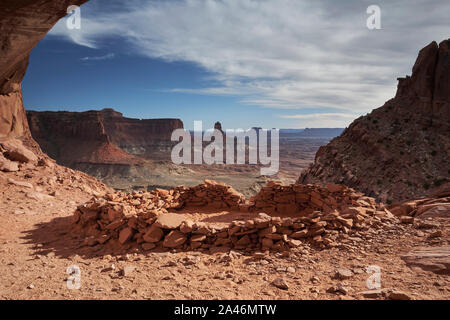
column 131, row 154
column 285, row 241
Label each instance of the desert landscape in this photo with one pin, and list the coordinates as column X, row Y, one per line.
column 92, row 207
column 132, row 154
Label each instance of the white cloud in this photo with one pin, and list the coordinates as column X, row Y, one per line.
column 288, row 54
column 99, row 58
column 321, row 120
column 319, row 116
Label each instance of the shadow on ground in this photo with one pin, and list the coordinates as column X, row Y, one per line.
column 58, row 236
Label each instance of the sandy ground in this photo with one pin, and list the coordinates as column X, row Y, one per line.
column 37, row 247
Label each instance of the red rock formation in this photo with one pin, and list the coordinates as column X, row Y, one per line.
column 60, row 134
column 436, row 205
column 23, row 23
column 399, row 151
column 147, row 137
column 73, row 138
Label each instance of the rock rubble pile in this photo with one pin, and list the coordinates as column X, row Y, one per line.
column 313, row 214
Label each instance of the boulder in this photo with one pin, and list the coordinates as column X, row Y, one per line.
column 14, row 150
column 174, row 239
column 435, row 210
column 8, row 165
column 434, row 259
column 169, row 221
column 153, row 234
column 125, row 235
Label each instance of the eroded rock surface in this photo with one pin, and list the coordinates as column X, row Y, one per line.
column 22, row 25
column 399, row 151
column 435, row 259
column 57, row 131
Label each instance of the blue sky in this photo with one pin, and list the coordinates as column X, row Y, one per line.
column 284, row 63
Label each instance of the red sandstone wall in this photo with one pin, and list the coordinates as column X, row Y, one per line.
column 23, row 23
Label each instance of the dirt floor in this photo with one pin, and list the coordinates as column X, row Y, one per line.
column 37, row 247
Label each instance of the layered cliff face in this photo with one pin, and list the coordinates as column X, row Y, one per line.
column 23, row 23
column 401, row 150
column 101, row 137
column 89, row 142
column 25, row 172
column 74, row 138
column 149, row 138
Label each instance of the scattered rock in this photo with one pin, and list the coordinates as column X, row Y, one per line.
column 127, row 271
column 38, row 196
column 399, row 295
column 436, row 234
column 339, row 288
column 191, row 260
column 406, row 219
column 280, row 283
column 20, row 183
column 372, row 294
column 343, row 274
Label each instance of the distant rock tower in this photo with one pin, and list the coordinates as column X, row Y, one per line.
column 218, row 126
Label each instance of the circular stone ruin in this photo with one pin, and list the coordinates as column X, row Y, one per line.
column 213, row 215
